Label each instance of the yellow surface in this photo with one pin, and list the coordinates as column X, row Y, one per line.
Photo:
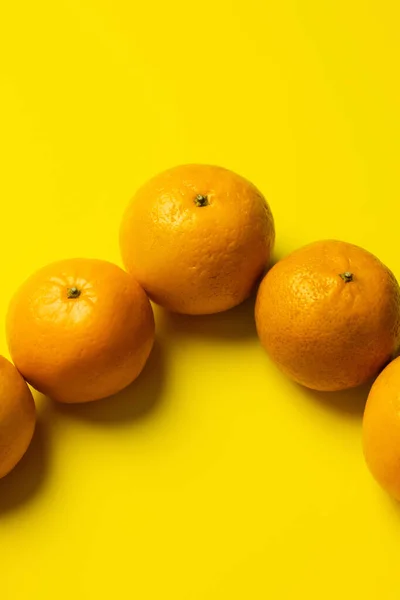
column 213, row 477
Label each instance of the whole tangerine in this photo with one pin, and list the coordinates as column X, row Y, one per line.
column 329, row 315
column 197, row 238
column 79, row 330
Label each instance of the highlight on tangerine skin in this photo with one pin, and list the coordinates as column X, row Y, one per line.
column 80, row 330
column 197, row 238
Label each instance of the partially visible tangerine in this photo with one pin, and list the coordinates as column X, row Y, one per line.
column 17, row 417
column 381, row 429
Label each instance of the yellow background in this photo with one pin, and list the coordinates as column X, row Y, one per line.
column 213, row 476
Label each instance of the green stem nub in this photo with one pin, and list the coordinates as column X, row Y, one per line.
column 347, row 277
column 201, row 200
column 73, row 292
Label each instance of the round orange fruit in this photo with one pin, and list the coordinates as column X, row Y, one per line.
column 197, row 238
column 381, row 429
column 80, row 330
column 329, row 315
column 17, row 417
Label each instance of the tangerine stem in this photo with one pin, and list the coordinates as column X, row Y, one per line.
column 201, row 200
column 73, row 292
column 347, row 277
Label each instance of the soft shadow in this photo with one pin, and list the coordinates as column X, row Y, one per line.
column 394, row 504
column 351, row 402
column 135, row 402
column 234, row 324
column 28, row 477
column 276, row 257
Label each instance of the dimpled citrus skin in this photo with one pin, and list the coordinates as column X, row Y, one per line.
column 381, row 429
column 324, row 332
column 191, row 258
column 83, row 348
column 17, row 417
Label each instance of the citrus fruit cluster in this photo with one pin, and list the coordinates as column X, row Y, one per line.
column 198, row 239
